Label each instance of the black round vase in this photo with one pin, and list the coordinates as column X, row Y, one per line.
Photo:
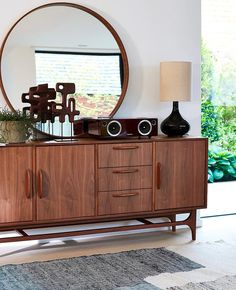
column 175, row 125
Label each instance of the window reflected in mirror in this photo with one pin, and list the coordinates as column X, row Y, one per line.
column 97, row 77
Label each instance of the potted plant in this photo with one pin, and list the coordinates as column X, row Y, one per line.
column 15, row 126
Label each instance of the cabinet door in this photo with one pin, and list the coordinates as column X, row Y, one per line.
column 181, row 174
column 16, row 203
column 65, row 182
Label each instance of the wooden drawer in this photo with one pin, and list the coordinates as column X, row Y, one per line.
column 121, row 178
column 126, row 154
column 118, row 202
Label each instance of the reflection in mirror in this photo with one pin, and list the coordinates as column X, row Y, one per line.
column 97, row 77
column 64, row 42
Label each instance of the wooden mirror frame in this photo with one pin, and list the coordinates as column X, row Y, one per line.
column 101, row 19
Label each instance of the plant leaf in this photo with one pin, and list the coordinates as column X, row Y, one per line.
column 210, row 176
column 223, row 162
column 231, row 170
column 211, row 161
column 218, row 174
column 233, row 163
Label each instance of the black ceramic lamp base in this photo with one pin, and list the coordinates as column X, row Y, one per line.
column 175, row 125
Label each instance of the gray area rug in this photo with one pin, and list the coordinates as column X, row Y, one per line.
column 224, row 283
column 123, row 271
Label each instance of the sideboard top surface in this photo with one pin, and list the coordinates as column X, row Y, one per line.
column 89, row 141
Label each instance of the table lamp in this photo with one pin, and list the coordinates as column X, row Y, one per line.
column 175, row 85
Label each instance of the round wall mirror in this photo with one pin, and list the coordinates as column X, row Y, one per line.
column 65, row 43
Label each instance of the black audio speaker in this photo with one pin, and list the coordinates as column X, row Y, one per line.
column 112, row 128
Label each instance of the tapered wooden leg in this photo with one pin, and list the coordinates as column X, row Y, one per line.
column 191, row 222
column 173, row 219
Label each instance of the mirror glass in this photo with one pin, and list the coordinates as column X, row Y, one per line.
column 65, row 43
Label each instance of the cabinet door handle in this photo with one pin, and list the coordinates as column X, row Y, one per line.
column 124, row 147
column 124, row 194
column 28, row 183
column 40, row 184
column 158, row 175
column 124, row 171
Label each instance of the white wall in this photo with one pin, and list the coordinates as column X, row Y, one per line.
column 152, row 31
column 52, row 28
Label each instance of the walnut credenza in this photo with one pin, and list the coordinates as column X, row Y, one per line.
column 49, row 184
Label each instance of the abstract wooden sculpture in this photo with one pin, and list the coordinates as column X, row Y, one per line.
column 43, row 108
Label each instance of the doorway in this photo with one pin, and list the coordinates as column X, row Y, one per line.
column 218, row 93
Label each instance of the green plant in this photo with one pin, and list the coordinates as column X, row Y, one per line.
column 227, row 128
column 209, row 114
column 208, row 72
column 209, row 120
column 221, row 164
column 218, row 113
column 15, row 126
column 18, row 115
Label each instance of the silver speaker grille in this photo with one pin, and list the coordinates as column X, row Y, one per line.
column 144, row 127
column 114, row 128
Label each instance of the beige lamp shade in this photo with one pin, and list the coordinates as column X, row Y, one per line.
column 175, row 81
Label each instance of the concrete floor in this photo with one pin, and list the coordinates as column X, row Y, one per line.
column 221, row 198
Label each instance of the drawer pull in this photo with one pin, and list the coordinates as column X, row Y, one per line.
column 124, row 147
column 158, row 175
column 124, row 194
column 28, row 183
column 124, row 171
column 40, row 184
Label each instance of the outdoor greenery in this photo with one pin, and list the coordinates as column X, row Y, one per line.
column 210, row 120
column 218, row 95
column 221, row 165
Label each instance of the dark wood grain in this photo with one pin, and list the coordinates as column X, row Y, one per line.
column 58, row 184
column 190, row 221
column 124, row 201
column 181, row 174
column 120, row 178
column 114, row 155
column 66, row 182
column 16, row 200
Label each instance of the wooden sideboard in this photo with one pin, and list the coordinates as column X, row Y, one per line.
column 49, row 184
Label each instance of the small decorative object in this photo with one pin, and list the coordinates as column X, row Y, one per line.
column 15, row 126
column 175, row 85
column 40, row 100
column 43, row 107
